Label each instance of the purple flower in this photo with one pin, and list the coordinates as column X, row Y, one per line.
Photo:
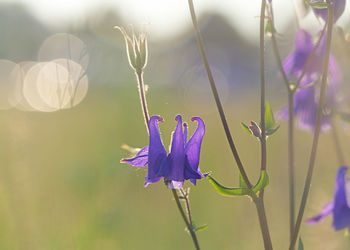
column 183, row 160
column 340, row 206
column 339, row 6
column 306, row 98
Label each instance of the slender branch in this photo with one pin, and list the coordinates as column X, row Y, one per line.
column 291, row 168
column 309, row 59
column 260, row 208
column 185, row 197
column 337, row 145
column 143, row 97
column 317, row 129
column 188, row 225
column 259, row 202
column 216, row 96
column 262, row 86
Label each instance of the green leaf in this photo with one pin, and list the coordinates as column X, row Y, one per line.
column 242, row 183
column 319, row 4
column 200, row 228
column 262, row 182
column 228, row 191
column 246, row 128
column 269, row 118
column 272, row 131
column 301, row 245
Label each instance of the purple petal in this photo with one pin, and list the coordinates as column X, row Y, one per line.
column 139, row 160
column 157, row 154
column 193, row 148
column 326, row 210
column 185, row 133
column 341, row 211
column 175, row 167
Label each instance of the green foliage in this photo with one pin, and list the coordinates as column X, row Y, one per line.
column 200, row 228
column 243, row 189
column 300, row 245
column 246, row 128
column 270, row 123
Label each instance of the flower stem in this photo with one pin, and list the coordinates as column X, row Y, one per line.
column 262, row 85
column 188, row 221
column 216, row 96
column 317, row 129
column 259, row 201
column 142, row 92
column 338, row 148
column 188, row 224
column 291, row 168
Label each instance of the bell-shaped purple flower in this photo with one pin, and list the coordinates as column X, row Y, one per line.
column 182, row 163
column 306, row 98
column 339, row 208
column 339, row 6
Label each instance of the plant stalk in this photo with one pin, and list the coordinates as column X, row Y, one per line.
column 142, row 92
column 317, row 129
column 188, row 224
column 216, row 97
column 291, row 168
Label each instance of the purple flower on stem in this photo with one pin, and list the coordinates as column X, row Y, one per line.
column 182, row 163
column 340, row 206
column 306, row 98
column 339, row 6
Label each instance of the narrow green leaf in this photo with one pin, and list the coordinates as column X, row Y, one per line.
column 319, row 4
column 242, row 183
column 272, row 131
column 262, row 182
column 201, row 228
column 228, row 191
column 301, row 245
column 269, row 118
column 246, row 128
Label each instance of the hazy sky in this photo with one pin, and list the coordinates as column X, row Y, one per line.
column 165, row 16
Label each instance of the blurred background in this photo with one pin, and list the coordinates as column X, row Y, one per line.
column 69, row 100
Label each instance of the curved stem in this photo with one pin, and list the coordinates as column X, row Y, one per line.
column 143, row 97
column 260, row 208
column 262, row 86
column 309, row 59
column 216, row 96
column 317, row 129
column 291, row 168
column 188, row 224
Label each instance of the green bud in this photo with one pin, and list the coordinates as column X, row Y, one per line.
column 136, row 49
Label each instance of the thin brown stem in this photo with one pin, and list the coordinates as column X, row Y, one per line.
column 189, row 226
column 317, row 128
column 143, row 97
column 291, row 168
column 216, row 96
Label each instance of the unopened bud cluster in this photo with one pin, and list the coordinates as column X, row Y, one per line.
column 136, row 48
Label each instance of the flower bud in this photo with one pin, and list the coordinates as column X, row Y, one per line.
column 136, row 48
column 255, row 129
